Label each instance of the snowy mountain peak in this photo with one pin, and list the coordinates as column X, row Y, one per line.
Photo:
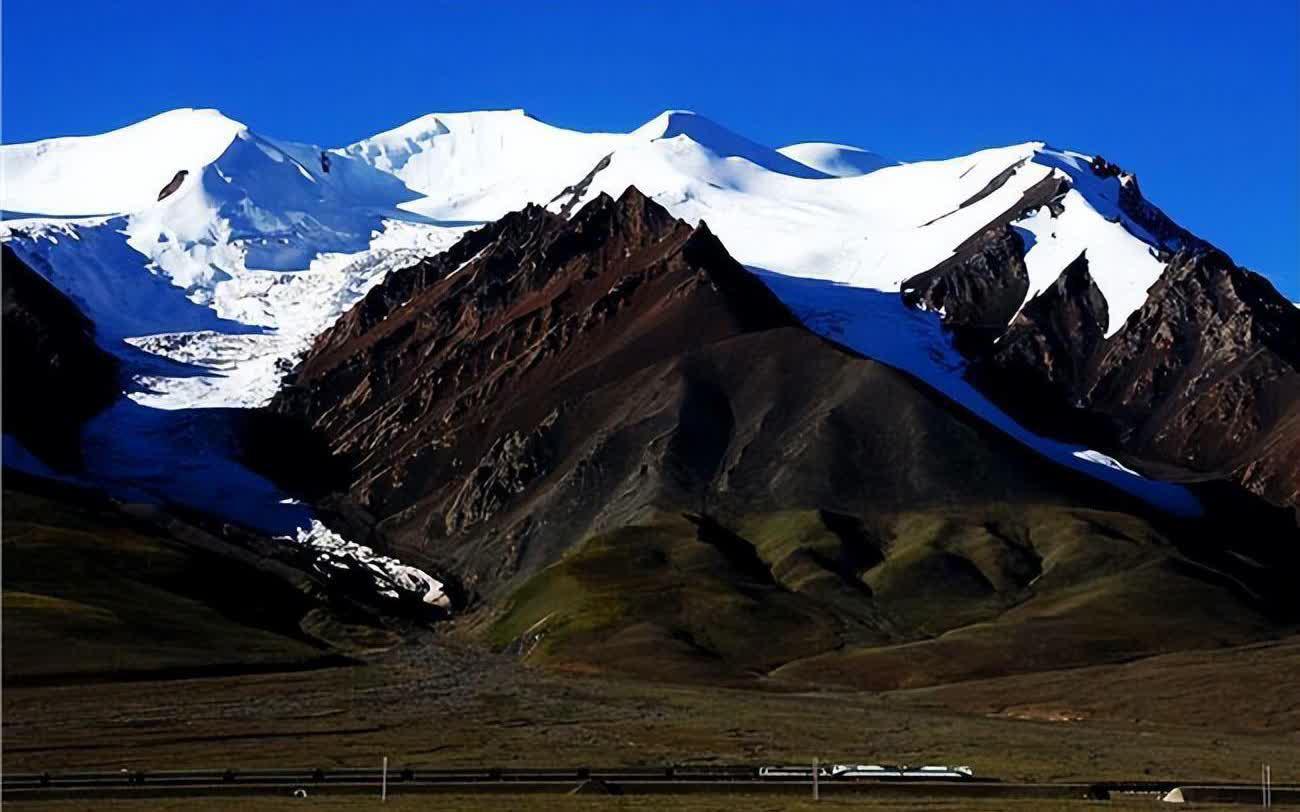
column 119, row 171
column 432, row 124
column 672, row 123
column 722, row 142
column 218, row 255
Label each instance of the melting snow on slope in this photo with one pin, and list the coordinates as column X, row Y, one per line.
column 232, row 274
column 1102, row 459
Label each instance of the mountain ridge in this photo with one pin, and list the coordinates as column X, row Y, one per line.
column 210, row 295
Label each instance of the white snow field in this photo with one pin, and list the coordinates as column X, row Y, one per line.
column 836, row 160
column 212, row 292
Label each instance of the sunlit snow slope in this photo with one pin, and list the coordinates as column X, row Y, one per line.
column 210, row 283
column 208, row 257
column 837, row 160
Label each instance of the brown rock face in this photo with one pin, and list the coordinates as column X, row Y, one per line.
column 1206, row 375
column 979, row 288
column 1056, row 329
column 173, row 184
column 1202, row 381
column 549, row 378
column 55, row 376
column 1039, row 364
column 453, row 383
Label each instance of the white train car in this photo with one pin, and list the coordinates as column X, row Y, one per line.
column 869, row 771
column 936, row 771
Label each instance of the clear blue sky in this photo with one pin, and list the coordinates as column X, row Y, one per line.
column 1199, row 97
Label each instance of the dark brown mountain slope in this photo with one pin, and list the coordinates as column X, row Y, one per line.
column 1205, row 376
column 578, row 372
column 624, row 444
column 55, row 376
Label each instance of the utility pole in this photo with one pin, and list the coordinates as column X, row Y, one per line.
column 816, row 788
column 383, row 787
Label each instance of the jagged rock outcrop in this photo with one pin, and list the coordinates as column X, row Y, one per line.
column 1206, row 375
column 981, row 286
column 1039, row 363
column 510, row 465
column 56, row 376
column 1055, row 331
column 1202, row 381
column 457, row 375
column 1170, row 236
column 979, row 289
column 173, row 184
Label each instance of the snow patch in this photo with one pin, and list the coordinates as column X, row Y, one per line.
column 394, row 576
column 1102, row 459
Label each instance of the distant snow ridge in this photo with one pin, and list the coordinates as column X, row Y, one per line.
column 836, row 160
column 211, row 291
column 721, row 142
column 476, row 167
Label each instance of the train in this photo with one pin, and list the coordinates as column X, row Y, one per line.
column 832, row 771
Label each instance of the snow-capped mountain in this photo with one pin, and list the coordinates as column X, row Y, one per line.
column 262, row 243
column 209, row 256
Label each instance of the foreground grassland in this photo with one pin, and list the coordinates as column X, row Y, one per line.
column 114, row 660
column 436, row 704
column 907, row 600
column 86, row 592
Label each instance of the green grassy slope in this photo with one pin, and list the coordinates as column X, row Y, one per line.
column 655, row 598
column 809, row 598
column 86, row 593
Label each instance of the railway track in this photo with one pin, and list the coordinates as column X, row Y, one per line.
column 65, row 785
